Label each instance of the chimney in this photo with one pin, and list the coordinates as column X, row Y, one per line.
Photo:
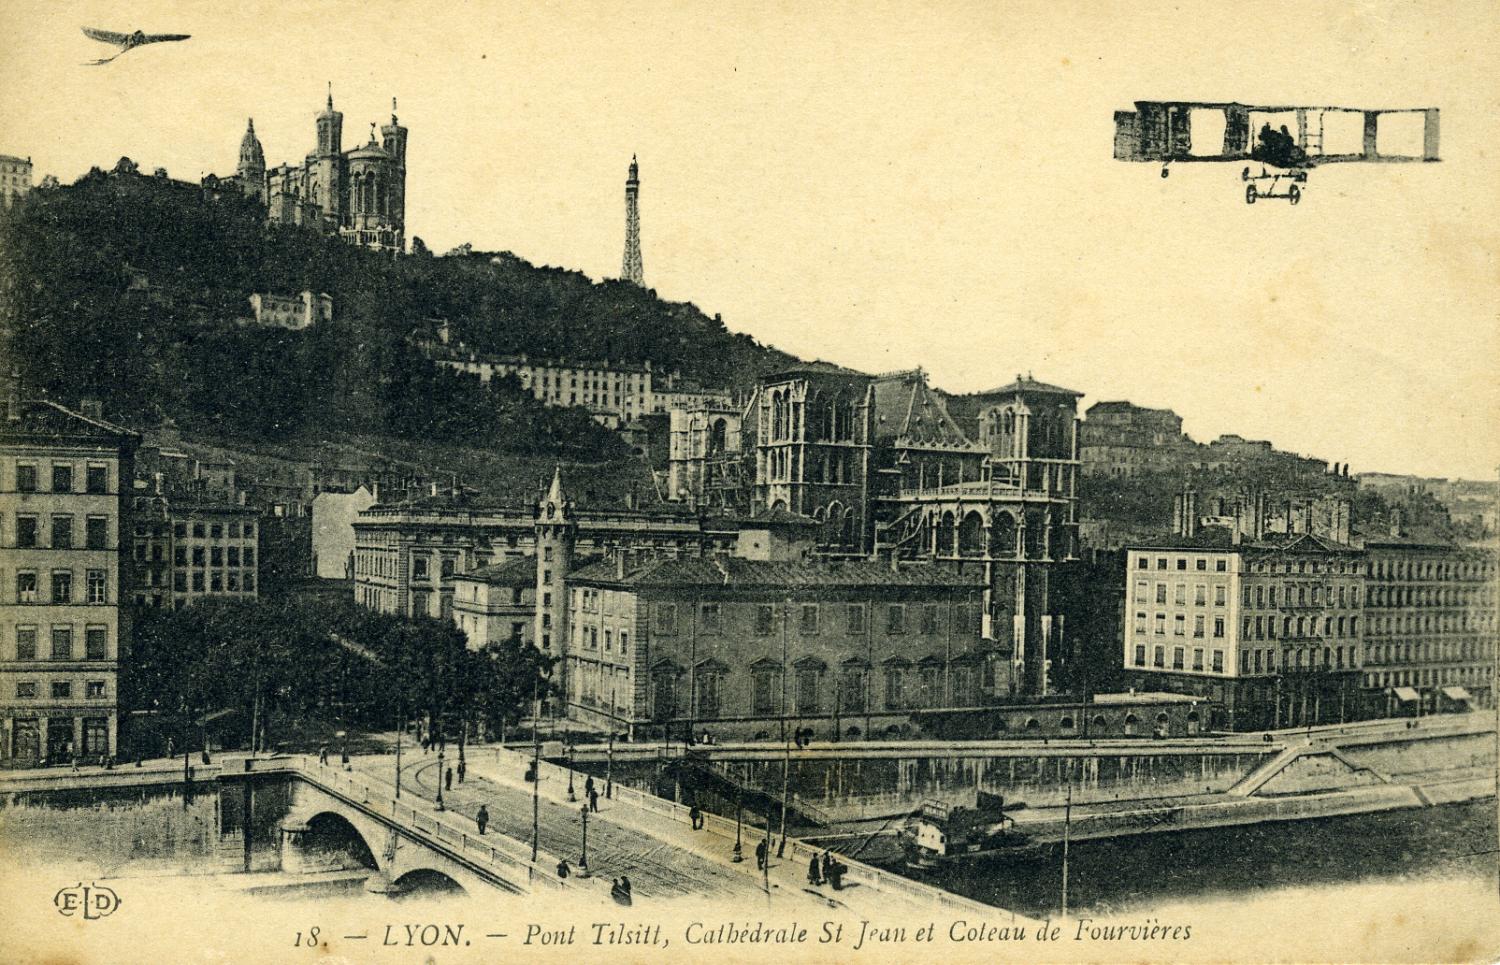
column 1396, row 521
column 1259, row 528
column 1190, row 521
column 620, row 565
column 432, row 488
column 1177, row 513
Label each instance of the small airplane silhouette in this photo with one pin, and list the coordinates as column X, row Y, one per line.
column 126, row 42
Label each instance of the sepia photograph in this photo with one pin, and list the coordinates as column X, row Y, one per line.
column 769, row 482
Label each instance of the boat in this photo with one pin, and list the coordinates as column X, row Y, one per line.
column 942, row 832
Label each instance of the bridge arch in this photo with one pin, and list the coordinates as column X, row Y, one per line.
column 427, row 881
column 330, row 835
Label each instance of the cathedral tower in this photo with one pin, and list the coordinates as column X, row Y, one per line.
column 252, row 167
column 326, row 189
column 393, row 138
column 556, row 533
column 631, row 270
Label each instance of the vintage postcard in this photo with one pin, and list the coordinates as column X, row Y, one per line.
column 667, row 481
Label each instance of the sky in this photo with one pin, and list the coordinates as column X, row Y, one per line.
column 893, row 185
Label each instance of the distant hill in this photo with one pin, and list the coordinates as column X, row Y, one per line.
column 126, row 288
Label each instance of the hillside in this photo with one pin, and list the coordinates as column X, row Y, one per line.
column 126, row 288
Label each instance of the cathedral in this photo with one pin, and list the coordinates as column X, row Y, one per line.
column 359, row 194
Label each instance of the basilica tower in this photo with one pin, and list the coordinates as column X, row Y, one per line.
column 252, row 167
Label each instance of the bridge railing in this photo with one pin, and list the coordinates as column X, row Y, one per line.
column 508, row 859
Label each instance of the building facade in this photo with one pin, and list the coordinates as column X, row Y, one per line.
column 294, row 312
column 1270, row 629
column 706, row 456
column 497, row 604
column 749, row 648
column 215, row 551
column 1121, row 440
column 66, row 629
column 1430, row 625
column 15, row 178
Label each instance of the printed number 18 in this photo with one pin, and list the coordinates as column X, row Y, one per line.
column 312, row 938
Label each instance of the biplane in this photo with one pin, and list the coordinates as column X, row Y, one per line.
column 1291, row 139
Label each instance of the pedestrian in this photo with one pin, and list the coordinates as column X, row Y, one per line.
column 588, row 786
column 695, row 816
column 837, row 878
column 424, row 743
column 593, row 800
column 814, row 872
column 462, row 767
column 827, row 866
column 625, row 885
column 482, row 818
column 448, row 779
column 562, row 868
column 619, row 890
column 322, row 753
column 760, row 856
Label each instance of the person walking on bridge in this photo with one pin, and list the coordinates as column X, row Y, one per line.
column 760, row 856
column 482, row 818
column 448, row 779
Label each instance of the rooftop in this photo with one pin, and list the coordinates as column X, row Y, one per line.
column 1025, row 383
column 517, row 572
column 46, row 420
column 790, row 576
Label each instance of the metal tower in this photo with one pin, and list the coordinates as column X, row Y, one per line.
column 631, row 269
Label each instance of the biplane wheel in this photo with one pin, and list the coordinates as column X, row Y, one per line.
column 1164, row 171
column 1295, row 194
column 1245, row 174
column 1249, row 194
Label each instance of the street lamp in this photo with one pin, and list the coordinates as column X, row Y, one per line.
column 441, row 746
column 739, row 854
column 572, row 798
column 344, row 747
column 583, row 860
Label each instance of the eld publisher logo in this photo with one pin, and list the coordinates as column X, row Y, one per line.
column 91, row 901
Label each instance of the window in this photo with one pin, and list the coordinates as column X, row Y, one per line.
column 852, row 690
column 233, row 579
column 1141, row 563
column 711, row 618
column 1219, row 592
column 766, row 691
column 216, row 583
column 624, row 642
column 249, row 531
column 234, row 556
column 62, row 643
column 765, row 619
column 26, row 587
column 25, row 643
column 856, row 616
column 445, row 569
column 26, row 478
column 1197, row 658
column 1179, row 625
column 248, row 580
column 94, row 690
column 895, row 619
column 1179, row 595
column 1161, row 562
column 26, row 690
column 1198, row 626
column 179, row 530
column 708, row 694
column 234, row 530
column 216, row 555
column 1158, row 658
column 418, row 567
column 807, row 622
column 929, row 619
column 1161, row 624
column 1219, row 628
column 1140, row 655
column 1161, row 593
column 62, row 532
column 62, row 690
column 97, row 587
column 199, row 558
column 62, row 478
column 96, row 643
column 198, row 581
column 1178, row 654
column 62, row 586
column 26, row 531
column 1141, row 591
column 179, row 582
column 1140, row 622
column 807, row 690
column 666, row 619
column 1202, row 564
column 1200, row 594
column 96, row 479
column 249, row 555
column 1221, row 566
column 216, row 530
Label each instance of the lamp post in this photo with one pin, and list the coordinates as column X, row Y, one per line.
column 583, row 859
column 786, row 767
column 609, row 765
column 572, row 797
column 536, row 769
column 739, row 854
column 343, row 737
column 441, row 746
column 400, row 729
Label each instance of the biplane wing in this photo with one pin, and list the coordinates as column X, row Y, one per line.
column 161, row 38
column 106, row 36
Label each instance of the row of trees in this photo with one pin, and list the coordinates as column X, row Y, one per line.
column 269, row 672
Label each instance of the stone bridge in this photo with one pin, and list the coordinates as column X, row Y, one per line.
column 340, row 820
